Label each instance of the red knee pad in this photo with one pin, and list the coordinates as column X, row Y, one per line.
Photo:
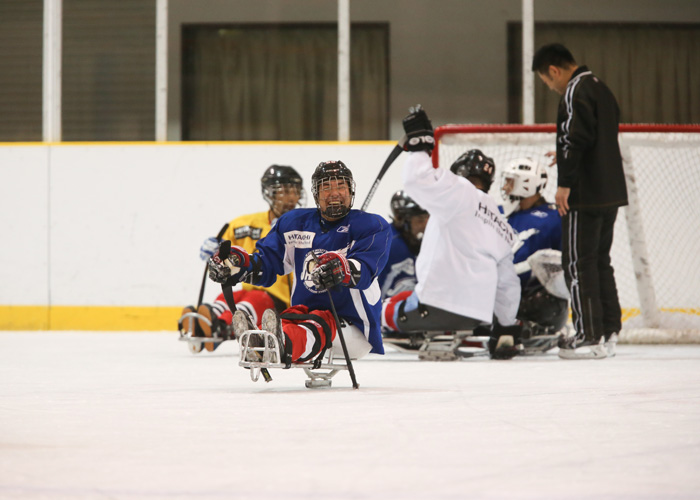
column 254, row 302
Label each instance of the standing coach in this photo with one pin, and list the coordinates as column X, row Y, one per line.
column 591, row 187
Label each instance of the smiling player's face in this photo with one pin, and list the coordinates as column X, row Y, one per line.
column 333, row 194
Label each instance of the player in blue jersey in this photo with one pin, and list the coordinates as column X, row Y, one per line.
column 331, row 247
column 409, row 221
column 543, row 306
column 536, row 221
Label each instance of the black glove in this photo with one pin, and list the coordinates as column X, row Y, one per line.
column 419, row 131
column 333, row 269
column 238, row 265
column 505, row 341
column 218, row 271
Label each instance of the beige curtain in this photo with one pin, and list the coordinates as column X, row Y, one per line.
column 280, row 82
column 653, row 70
column 108, row 76
column 21, row 70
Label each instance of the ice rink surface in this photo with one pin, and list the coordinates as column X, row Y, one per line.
column 135, row 415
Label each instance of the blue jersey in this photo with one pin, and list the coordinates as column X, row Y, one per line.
column 361, row 237
column 538, row 228
column 399, row 274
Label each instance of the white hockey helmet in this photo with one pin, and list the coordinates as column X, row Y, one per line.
column 522, row 178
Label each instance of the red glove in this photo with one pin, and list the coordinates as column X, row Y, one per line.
column 332, row 270
column 229, row 261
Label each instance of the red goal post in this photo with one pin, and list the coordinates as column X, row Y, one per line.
column 656, row 252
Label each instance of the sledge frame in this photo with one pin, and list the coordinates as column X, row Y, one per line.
column 255, row 358
column 188, row 335
column 441, row 346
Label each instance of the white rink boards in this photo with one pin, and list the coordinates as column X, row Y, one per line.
column 135, row 416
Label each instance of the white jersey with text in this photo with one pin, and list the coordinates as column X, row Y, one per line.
column 466, row 261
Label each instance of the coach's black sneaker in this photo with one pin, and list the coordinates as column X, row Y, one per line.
column 611, row 343
column 576, row 348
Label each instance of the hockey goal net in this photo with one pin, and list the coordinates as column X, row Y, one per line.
column 656, row 248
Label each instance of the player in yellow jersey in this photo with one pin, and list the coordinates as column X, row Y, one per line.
column 282, row 189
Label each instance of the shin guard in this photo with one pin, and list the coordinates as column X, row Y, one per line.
column 308, row 333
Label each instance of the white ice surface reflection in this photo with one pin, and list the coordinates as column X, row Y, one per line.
column 134, row 415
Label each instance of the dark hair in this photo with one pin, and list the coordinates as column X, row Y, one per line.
column 553, row 54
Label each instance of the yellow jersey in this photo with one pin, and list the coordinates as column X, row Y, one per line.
column 245, row 231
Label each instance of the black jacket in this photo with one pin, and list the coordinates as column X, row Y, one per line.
column 588, row 154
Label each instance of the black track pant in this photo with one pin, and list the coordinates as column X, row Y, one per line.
column 587, row 237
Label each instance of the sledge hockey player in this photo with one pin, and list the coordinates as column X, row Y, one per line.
column 408, row 225
column 282, row 188
column 465, row 270
column 544, row 306
column 331, row 247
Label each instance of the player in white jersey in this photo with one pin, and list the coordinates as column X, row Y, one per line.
column 465, row 270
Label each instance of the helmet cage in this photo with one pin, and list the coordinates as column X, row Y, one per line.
column 403, row 207
column 281, row 179
column 333, row 172
column 526, row 177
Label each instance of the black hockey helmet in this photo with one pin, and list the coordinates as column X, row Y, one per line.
column 280, row 174
column 334, row 170
column 277, row 177
column 403, row 207
column 476, row 164
column 543, row 308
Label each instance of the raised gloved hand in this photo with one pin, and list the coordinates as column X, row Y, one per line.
column 332, row 269
column 209, row 248
column 419, row 131
column 229, row 262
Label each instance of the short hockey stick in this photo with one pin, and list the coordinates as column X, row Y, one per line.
column 398, row 149
column 355, row 385
column 206, row 268
column 227, row 289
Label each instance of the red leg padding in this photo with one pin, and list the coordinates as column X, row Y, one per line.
column 254, row 302
column 298, row 335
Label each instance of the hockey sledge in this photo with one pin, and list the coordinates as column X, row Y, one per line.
column 538, row 339
column 260, row 350
column 187, row 332
column 439, row 346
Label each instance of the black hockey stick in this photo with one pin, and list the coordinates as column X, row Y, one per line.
column 206, row 268
column 398, row 149
column 348, row 362
column 227, row 289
